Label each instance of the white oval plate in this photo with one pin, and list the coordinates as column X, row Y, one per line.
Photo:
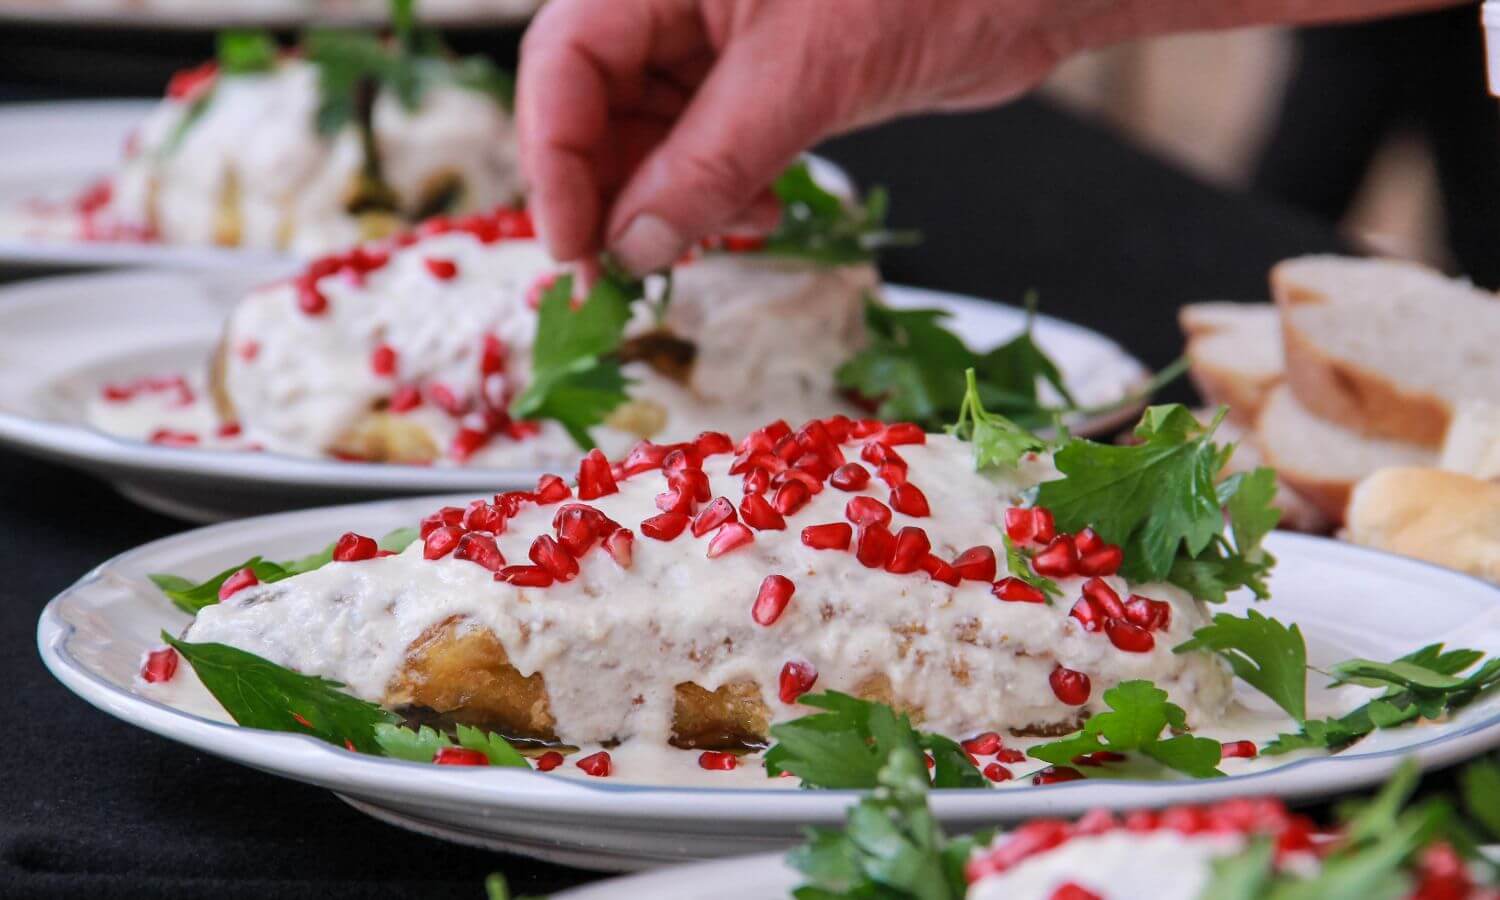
column 1349, row 601
column 61, row 338
column 208, row 16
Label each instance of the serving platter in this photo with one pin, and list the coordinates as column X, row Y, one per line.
column 1349, row 601
column 62, row 338
column 206, row 16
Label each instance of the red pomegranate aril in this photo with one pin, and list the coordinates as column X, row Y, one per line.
column 1070, row 686
column 908, row 499
column 666, row 526
column 309, row 299
column 383, row 360
column 1097, row 758
column 1056, row 775
column 460, row 756
column 712, row 443
column 644, row 457
column 482, row 516
column 1009, row 755
column 986, row 744
column 911, row 549
column 903, row 433
column 1104, row 561
column 444, row 398
column 829, row 536
column 976, row 564
column 552, row 489
column 1020, row 524
column 1238, row 750
column 525, row 576
column 692, row 482
column 510, row 502
column 480, row 549
column 864, row 511
column 491, row 355
column 554, row 557
column 712, row 516
column 237, row 582
column 160, row 666
column 1056, row 560
column 757, row 480
column 353, row 547
column 790, row 497
column 1128, row 637
column 1046, row 525
column 441, row 269
column 675, row 501
column 996, row 772
column 717, row 761
column 757, row 512
column 880, row 453
column 1104, row 598
column 838, row 427
column 814, row 465
column 549, row 761
column 404, row 398
column 730, row 537
column 1087, row 614
column 866, row 428
column 598, row 764
column 772, row 599
column 683, row 456
column 466, row 443
column 621, row 546
column 168, row 437
column 595, row 479
column 850, row 477
column 808, row 480
column 796, row 679
column 874, row 545
column 938, row 570
column 1072, row 890
column 787, row 448
column 1087, row 540
column 1014, row 590
column 441, row 542
column 1152, row 615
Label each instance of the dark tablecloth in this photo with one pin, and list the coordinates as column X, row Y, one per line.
column 1025, row 197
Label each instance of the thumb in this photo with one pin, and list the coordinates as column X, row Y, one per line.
column 747, row 122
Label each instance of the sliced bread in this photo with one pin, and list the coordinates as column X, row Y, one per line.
column 1234, row 353
column 1297, row 513
column 1384, row 347
column 1323, row 461
column 1445, row 518
column 1472, row 445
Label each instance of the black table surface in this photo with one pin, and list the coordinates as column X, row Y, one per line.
column 1010, row 200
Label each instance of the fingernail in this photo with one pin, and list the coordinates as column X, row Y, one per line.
column 648, row 243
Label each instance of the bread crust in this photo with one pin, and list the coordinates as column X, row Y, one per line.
column 1243, row 394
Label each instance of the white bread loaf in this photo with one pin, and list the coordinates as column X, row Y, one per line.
column 1234, row 352
column 1442, row 517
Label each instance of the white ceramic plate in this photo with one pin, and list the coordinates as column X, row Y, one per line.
column 61, row 338
column 207, row 15
column 1349, row 601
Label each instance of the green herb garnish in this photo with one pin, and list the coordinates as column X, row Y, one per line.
column 1267, row 655
column 1140, row 713
column 998, row 442
column 818, row 225
column 243, row 52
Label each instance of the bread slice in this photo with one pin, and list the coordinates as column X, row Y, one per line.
column 1323, row 461
column 1445, row 518
column 1234, row 353
column 1297, row 513
column 1385, row 347
column 1472, row 445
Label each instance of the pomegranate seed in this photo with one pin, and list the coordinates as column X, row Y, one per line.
column 790, row 497
column 939, row 570
column 460, row 756
column 911, row 550
column 383, row 360
column 666, row 526
column 880, row 454
column 1056, row 775
column 441, row 542
column 1128, row 637
column 230, row 430
column 716, row 761
column 441, row 269
column 549, row 761
column 1014, row 590
column 555, row 558
column 682, row 457
column 796, row 679
column 1070, row 686
column 405, row 397
column 866, row 427
column 595, row 479
column 598, row 764
column 309, row 299
column 711, row 443
column 446, row 400
column 838, row 427
column 1104, row 599
column 1087, row 614
column 480, row 549
column 237, row 582
column 1087, row 541
column 482, row 516
column 908, row 499
column 525, row 576
column 1020, row 524
column 692, row 482
column 160, row 666
column 976, row 564
column 675, row 501
column 510, row 502
column 997, row 772
column 644, row 457
column 1231, row 749
column 167, row 437
column 850, row 477
column 775, row 593
column 1009, row 755
column 353, row 547
column 576, row 528
column 815, row 466
column 903, row 433
column 832, row 536
column 986, row 744
column 552, row 489
column 491, row 355
column 874, row 545
column 713, row 515
column 1104, row 561
column 757, row 480
column 1046, row 525
column 758, row 513
column 1072, row 890
column 1058, row 559
column 466, row 442
column 1098, row 758
column 864, row 511
column 1152, row 615
column 621, row 546
column 730, row 537
column 1141, row 821
column 1095, row 822
column 787, row 448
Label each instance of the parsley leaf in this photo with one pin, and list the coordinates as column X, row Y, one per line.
column 1140, row 712
column 845, row 746
column 1015, row 367
column 246, row 52
column 1018, row 565
column 1481, row 792
column 997, row 440
column 258, row 693
column 1268, row 655
column 817, row 224
column 575, row 366
column 423, row 744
